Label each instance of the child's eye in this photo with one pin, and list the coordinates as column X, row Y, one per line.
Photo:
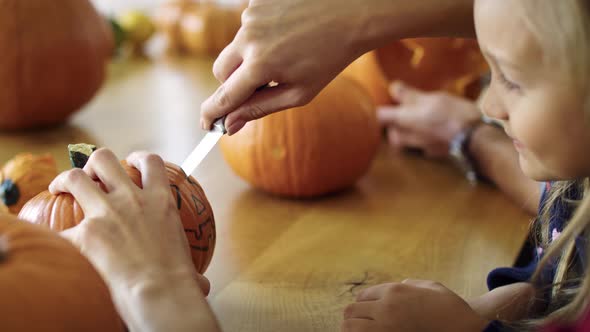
column 507, row 83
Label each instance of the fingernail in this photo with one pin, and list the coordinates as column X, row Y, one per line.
column 235, row 127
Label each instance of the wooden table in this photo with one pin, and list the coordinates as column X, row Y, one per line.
column 287, row 265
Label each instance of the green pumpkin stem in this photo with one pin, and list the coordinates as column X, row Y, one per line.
column 79, row 154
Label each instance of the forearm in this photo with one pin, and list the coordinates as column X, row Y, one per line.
column 508, row 303
column 382, row 21
column 497, row 160
column 165, row 306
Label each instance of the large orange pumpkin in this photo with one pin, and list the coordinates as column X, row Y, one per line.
column 60, row 212
column 47, row 285
column 450, row 64
column 25, row 176
column 53, row 60
column 323, row 147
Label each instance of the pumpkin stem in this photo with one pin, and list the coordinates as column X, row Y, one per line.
column 79, row 154
column 9, row 193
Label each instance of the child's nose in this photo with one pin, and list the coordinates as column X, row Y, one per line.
column 492, row 106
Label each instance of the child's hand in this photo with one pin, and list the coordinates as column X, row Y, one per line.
column 413, row 305
column 426, row 120
column 129, row 234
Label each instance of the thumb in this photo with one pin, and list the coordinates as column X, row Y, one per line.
column 403, row 92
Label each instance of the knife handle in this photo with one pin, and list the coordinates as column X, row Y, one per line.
column 219, row 125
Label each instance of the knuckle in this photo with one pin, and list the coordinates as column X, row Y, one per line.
column 221, row 98
column 395, row 288
column 257, row 112
column 154, row 159
column 348, row 311
column 101, row 155
column 75, row 175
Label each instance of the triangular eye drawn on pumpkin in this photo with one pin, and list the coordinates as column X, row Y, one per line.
column 178, row 197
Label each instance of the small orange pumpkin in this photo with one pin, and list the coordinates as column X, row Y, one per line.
column 451, row 64
column 44, row 276
column 323, row 147
column 203, row 28
column 25, row 176
column 60, row 212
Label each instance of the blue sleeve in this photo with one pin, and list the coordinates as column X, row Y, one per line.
column 495, row 326
column 510, row 275
column 525, row 265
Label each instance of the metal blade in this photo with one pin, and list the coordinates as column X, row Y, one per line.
column 200, row 152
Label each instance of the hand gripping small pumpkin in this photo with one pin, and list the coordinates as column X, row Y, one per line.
column 60, row 212
column 47, row 285
column 25, row 176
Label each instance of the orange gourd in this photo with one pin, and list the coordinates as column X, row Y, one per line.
column 320, row 148
column 46, row 284
column 199, row 28
column 25, row 176
column 53, row 60
column 60, row 212
column 451, row 64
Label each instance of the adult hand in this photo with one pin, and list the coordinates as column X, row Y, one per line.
column 129, row 234
column 299, row 44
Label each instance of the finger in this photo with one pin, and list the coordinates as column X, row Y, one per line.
column 71, row 234
column 227, row 62
column 393, row 139
column 231, row 94
column 358, row 325
column 104, row 166
column 408, row 139
column 423, row 283
column 152, row 168
column 372, row 293
column 362, row 310
column 91, row 198
column 263, row 103
column 204, row 284
column 403, row 116
column 404, row 93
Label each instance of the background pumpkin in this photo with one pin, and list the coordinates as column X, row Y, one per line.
column 200, row 28
column 25, row 176
column 60, row 212
column 450, row 64
column 44, row 276
column 53, row 60
column 323, row 147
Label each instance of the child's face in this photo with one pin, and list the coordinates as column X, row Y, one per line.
column 536, row 101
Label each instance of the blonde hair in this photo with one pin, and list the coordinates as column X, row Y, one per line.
column 562, row 29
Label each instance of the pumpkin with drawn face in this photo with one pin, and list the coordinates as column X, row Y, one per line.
column 60, row 212
column 23, row 177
